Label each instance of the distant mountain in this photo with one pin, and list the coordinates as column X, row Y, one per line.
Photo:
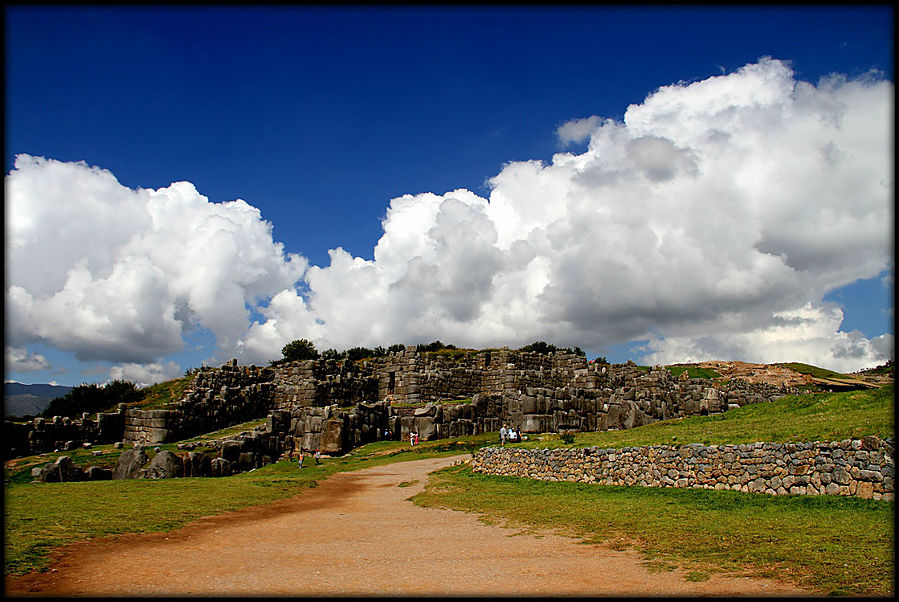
column 29, row 400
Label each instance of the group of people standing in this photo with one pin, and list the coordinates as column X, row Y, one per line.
column 509, row 434
column 302, row 456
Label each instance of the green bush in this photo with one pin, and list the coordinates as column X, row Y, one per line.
column 546, row 348
column 358, row 353
column 333, row 354
column 301, row 349
column 434, row 346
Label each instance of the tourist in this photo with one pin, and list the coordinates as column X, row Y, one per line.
column 300, row 458
column 318, row 455
column 518, row 434
column 502, row 435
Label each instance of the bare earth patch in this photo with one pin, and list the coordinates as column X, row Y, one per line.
column 357, row 534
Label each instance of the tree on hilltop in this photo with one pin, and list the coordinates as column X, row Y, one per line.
column 539, row 347
column 301, row 349
column 433, row 346
column 547, row 348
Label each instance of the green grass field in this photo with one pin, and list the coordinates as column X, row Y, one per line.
column 693, row 371
column 811, row 370
column 809, row 417
column 834, row 545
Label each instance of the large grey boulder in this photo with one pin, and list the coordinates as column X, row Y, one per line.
column 164, row 465
column 278, row 421
column 231, row 450
column 68, row 471
column 130, row 463
column 98, row 473
column 200, row 464
column 48, row 473
column 246, row 461
column 221, row 467
column 311, row 441
column 61, row 471
column 425, row 427
column 332, row 437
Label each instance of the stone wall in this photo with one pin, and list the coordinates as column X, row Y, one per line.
column 858, row 467
column 332, row 429
column 41, row 435
column 535, row 392
column 215, row 399
column 322, row 383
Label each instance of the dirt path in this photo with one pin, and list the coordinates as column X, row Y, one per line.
column 357, row 534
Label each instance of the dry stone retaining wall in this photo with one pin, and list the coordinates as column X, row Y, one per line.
column 535, row 392
column 532, row 391
column 857, row 467
column 216, row 399
column 61, row 433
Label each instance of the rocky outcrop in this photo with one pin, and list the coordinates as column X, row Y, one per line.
column 164, row 465
column 60, row 471
column 131, row 462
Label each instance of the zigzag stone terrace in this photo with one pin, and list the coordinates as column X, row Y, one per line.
column 336, row 405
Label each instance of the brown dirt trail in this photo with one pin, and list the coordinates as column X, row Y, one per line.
column 356, row 534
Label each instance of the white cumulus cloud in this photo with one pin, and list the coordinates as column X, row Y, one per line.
column 809, row 335
column 116, row 274
column 577, row 130
column 145, row 374
column 20, row 360
column 711, row 221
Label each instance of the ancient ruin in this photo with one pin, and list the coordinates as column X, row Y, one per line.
column 336, row 405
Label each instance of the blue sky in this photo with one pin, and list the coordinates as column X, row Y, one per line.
column 319, row 117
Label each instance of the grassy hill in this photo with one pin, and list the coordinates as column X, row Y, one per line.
column 811, row 370
column 692, row 371
column 810, row 417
